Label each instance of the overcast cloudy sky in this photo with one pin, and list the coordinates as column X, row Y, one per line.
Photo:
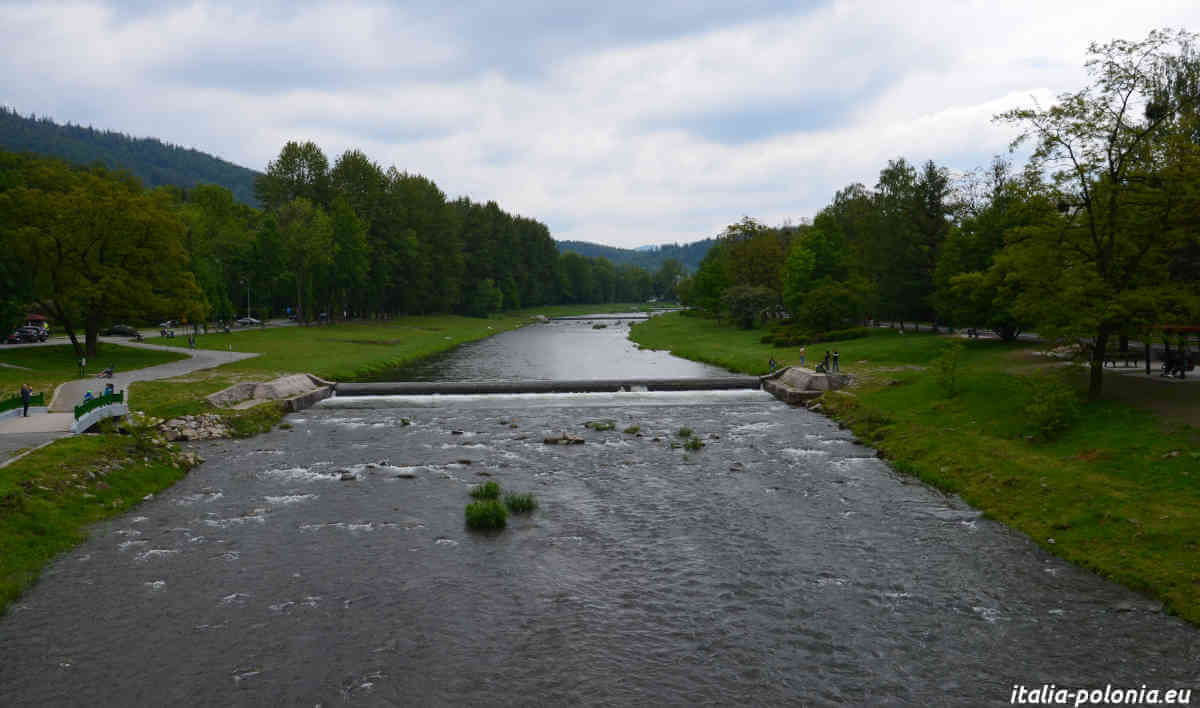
column 619, row 122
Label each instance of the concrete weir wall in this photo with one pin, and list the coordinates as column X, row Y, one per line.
column 423, row 388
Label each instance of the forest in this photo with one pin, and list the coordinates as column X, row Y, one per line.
column 154, row 162
column 1094, row 240
column 688, row 255
column 91, row 247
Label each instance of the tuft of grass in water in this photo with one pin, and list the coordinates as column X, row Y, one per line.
column 486, row 515
column 252, row 421
column 285, row 426
column 693, row 444
column 685, row 432
column 633, row 430
column 600, row 424
column 520, row 503
column 487, row 490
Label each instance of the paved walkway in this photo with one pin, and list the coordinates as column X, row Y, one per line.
column 21, row 433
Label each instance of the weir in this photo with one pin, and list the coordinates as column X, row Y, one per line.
column 580, row 318
column 450, row 388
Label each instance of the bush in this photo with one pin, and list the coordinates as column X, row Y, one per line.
column 520, row 503
column 946, row 368
column 685, row 432
column 487, row 514
column 693, row 444
column 487, row 490
column 1053, row 404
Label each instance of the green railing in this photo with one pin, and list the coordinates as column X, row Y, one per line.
column 16, row 402
column 83, row 408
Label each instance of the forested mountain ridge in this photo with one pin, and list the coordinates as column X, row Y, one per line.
column 689, row 255
column 154, row 162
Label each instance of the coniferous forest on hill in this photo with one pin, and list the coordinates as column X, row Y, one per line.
column 154, row 162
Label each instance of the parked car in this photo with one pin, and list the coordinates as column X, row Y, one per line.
column 249, row 322
column 22, row 335
column 169, row 324
column 120, row 330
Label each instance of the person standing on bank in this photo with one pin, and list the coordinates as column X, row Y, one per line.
column 83, row 366
column 26, row 394
column 835, row 360
column 801, row 356
column 771, row 365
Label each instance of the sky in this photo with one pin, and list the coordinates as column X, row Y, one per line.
column 622, row 122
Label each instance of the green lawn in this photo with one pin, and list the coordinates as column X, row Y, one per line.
column 1118, row 491
column 51, row 366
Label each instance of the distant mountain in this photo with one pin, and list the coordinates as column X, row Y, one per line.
column 650, row 258
column 154, row 162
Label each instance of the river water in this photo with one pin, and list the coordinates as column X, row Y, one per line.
column 781, row 564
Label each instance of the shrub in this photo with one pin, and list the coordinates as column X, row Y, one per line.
column 685, row 432
column 693, row 444
column 1053, row 404
column 520, row 503
column 486, row 514
column 946, row 368
column 487, row 490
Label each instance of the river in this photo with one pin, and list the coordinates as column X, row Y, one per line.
column 781, row 564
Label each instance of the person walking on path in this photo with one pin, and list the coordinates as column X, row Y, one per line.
column 835, row 360
column 82, row 366
column 26, row 393
column 825, row 361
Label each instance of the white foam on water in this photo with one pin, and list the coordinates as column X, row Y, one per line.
column 547, row 400
column 156, row 585
column 290, row 499
column 760, row 427
column 990, row 614
column 125, row 546
column 155, row 554
column 199, row 498
column 297, row 474
column 230, row 555
column 282, row 606
column 139, row 519
column 237, row 598
column 127, row 532
column 803, row 452
column 221, row 523
column 269, row 452
column 445, row 542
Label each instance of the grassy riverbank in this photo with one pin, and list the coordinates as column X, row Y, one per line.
column 45, row 368
column 48, row 498
column 1117, row 491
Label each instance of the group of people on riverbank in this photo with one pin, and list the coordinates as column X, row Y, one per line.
column 828, row 364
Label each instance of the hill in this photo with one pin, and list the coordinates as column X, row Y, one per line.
column 649, row 258
column 154, row 162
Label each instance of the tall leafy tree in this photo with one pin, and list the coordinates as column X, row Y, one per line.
column 300, row 171
column 306, row 240
column 1123, row 169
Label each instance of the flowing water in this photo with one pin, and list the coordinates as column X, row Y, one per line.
column 781, row 564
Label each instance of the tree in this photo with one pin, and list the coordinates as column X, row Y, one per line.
column 1123, row 168
column 745, row 304
column 301, row 170
column 665, row 279
column 95, row 247
column 306, row 238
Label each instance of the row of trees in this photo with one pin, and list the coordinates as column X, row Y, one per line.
column 1095, row 239
column 91, row 248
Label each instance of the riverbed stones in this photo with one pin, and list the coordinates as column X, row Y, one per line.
column 563, row 439
column 204, row 426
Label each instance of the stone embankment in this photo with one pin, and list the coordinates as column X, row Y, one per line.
column 797, row 386
column 297, row 392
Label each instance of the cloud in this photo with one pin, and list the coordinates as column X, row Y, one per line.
column 622, row 123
